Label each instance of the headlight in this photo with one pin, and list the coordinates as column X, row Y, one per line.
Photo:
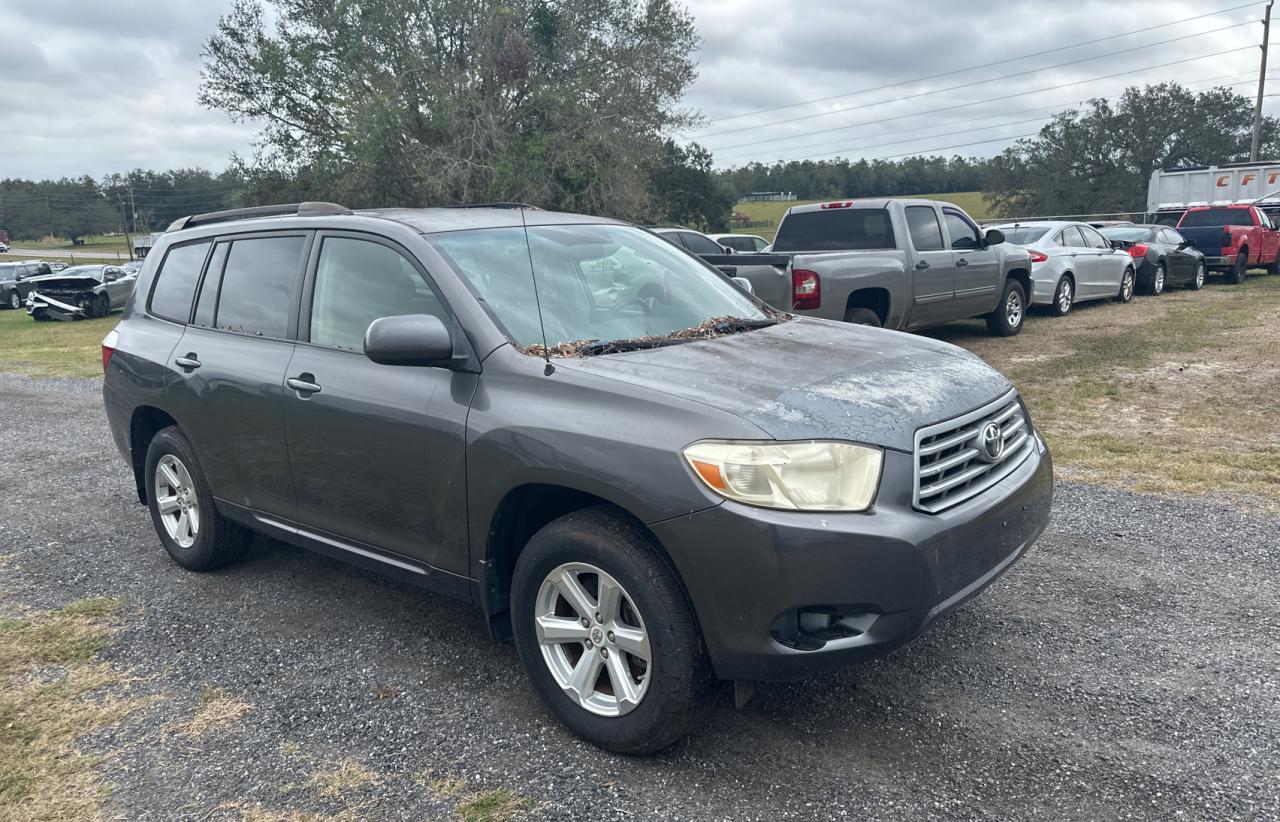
column 812, row 475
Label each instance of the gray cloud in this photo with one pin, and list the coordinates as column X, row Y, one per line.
column 100, row 87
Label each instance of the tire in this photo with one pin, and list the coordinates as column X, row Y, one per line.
column 1274, row 268
column 1158, row 280
column 1011, row 311
column 101, row 306
column 1064, row 296
column 1128, row 282
column 862, row 316
column 216, row 540
column 1197, row 280
column 676, row 687
column 1236, row 274
column 14, row 300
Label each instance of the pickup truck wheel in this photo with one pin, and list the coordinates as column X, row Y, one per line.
column 1236, row 274
column 862, row 316
column 1197, row 282
column 1006, row 320
column 1274, row 268
column 1063, row 297
column 1127, row 281
column 607, row 634
column 182, row 509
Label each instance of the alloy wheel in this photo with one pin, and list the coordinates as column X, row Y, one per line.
column 176, row 501
column 15, row 300
column 1064, row 297
column 1199, row 275
column 1013, row 309
column 1158, row 285
column 593, row 639
column 1126, row 285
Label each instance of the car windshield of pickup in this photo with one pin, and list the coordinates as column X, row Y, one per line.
column 1217, row 216
column 835, row 229
column 599, row 288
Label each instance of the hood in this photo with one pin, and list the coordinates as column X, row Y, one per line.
column 56, row 281
column 816, row 379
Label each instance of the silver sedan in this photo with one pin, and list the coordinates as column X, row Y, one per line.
column 1072, row 263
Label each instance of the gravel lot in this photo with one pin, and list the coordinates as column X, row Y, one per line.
column 1128, row 668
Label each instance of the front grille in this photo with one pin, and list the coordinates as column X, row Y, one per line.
column 953, row 462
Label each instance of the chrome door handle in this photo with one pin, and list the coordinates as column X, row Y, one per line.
column 188, row 363
column 303, row 386
column 922, row 265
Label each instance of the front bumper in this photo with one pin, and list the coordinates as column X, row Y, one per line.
column 888, row 573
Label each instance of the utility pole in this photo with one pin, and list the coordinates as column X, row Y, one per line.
column 124, row 226
column 1262, row 83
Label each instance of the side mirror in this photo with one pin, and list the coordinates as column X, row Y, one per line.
column 1183, row 244
column 410, row 339
column 994, row 236
column 745, row 284
column 111, row 276
column 726, row 249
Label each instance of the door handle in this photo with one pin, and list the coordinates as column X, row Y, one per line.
column 303, row 384
column 961, row 262
column 922, row 265
column 188, row 363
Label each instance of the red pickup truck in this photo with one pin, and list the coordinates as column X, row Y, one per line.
column 1233, row 238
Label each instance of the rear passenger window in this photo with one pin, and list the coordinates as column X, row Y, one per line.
column 926, row 234
column 176, row 281
column 208, row 298
column 357, row 282
column 256, row 296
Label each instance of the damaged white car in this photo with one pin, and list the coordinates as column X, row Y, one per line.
column 78, row 293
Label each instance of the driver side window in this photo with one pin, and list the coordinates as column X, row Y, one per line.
column 359, row 281
column 964, row 234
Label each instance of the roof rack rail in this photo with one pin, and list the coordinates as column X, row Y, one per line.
column 498, row 205
column 287, row 209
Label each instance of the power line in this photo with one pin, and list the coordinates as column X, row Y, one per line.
column 982, row 66
column 990, row 99
column 972, row 83
column 1055, row 108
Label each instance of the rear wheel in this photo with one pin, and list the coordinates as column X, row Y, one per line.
column 15, row 300
column 1127, row 281
column 1157, row 280
column 1236, row 274
column 182, row 509
column 1006, row 320
column 1063, row 297
column 1197, row 280
column 607, row 634
column 862, row 316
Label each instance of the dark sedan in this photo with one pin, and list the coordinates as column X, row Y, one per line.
column 1163, row 258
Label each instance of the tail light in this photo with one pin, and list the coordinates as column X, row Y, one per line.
column 806, row 289
column 1037, row 257
column 838, row 204
column 1137, row 250
column 109, row 347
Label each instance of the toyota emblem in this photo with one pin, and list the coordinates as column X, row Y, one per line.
column 991, row 441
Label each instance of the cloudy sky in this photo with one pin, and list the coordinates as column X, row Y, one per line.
column 91, row 86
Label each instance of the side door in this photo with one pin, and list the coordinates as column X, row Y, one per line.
column 377, row 450
column 1079, row 260
column 1181, row 262
column 1270, row 238
column 1108, row 263
column 933, row 274
column 226, row 374
column 977, row 265
column 115, row 280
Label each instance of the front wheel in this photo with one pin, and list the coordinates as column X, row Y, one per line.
column 15, row 300
column 1197, row 281
column 1006, row 320
column 607, row 634
column 1236, row 274
column 101, row 306
column 1126, row 285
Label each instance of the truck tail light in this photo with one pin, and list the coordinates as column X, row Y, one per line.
column 1138, row 250
column 806, row 289
column 1037, row 257
column 109, row 347
column 838, row 204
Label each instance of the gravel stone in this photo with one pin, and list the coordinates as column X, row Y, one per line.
column 1127, row 668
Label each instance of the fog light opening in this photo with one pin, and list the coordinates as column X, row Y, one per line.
column 812, row 627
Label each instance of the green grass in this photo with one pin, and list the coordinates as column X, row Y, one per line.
column 52, row 349
column 95, row 242
column 970, row 201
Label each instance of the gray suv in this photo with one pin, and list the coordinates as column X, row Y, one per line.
column 650, row 480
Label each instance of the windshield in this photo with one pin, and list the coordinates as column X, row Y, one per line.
column 1216, row 217
column 1129, row 234
column 596, row 284
column 1023, row 234
column 94, row 271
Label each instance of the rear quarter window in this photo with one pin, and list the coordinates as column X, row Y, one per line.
column 836, row 229
column 176, row 281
